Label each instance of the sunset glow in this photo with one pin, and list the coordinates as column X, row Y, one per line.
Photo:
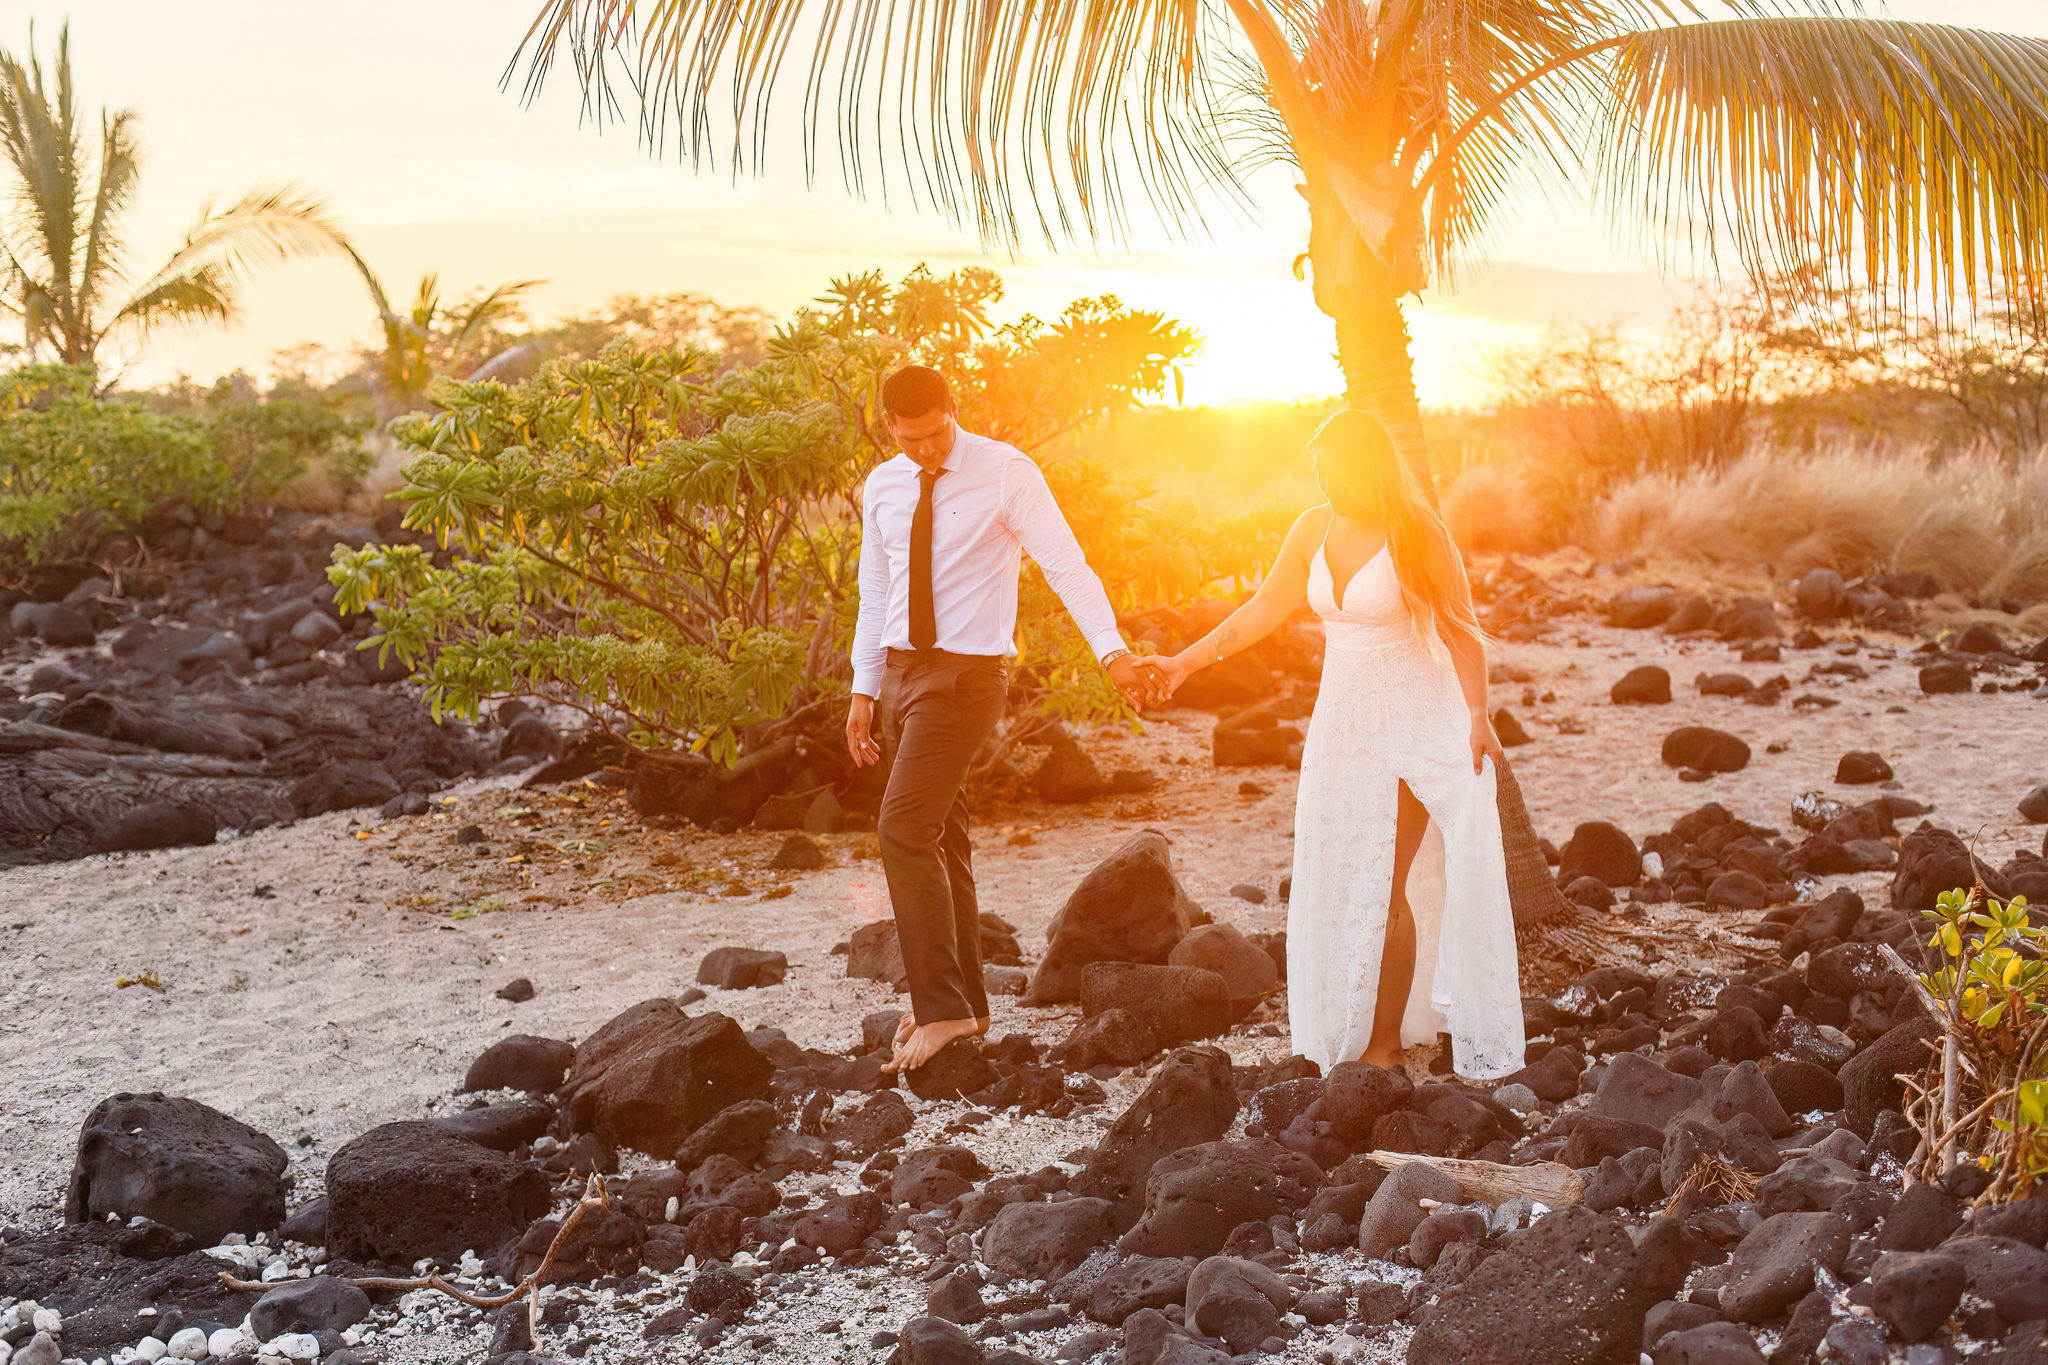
column 395, row 114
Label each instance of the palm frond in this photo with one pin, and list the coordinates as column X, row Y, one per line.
column 1912, row 158
column 113, row 196
column 41, row 142
column 1248, row 125
column 500, row 303
column 206, row 295
column 224, row 247
column 1061, row 104
column 266, row 226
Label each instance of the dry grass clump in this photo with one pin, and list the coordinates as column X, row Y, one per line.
column 1723, row 1181
column 1488, row 508
column 1977, row 522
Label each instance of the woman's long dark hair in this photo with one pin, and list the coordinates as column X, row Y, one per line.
column 1366, row 479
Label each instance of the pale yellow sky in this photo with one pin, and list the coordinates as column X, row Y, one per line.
column 393, row 112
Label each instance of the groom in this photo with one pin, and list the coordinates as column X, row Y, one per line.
column 944, row 528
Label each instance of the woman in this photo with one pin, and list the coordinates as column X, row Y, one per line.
column 1400, row 747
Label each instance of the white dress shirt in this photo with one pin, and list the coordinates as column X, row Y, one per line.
column 989, row 509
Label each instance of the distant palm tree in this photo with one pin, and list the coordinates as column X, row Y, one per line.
column 64, row 273
column 1911, row 158
column 433, row 336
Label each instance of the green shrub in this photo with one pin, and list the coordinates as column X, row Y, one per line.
column 76, row 468
column 1990, row 994
column 265, row 446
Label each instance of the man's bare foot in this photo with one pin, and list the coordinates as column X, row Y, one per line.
column 908, row 1027
column 929, row 1039
column 905, row 1028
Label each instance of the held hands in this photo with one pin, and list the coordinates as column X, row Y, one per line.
column 860, row 731
column 1140, row 680
column 1485, row 743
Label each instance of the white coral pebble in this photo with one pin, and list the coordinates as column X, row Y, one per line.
column 48, row 1320
column 189, row 1343
column 247, row 1257
column 149, row 1348
column 227, row 1341
column 294, row 1346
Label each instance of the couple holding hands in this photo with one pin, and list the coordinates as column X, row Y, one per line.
column 1396, row 813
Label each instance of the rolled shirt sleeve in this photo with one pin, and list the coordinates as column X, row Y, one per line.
column 868, row 656
column 1041, row 528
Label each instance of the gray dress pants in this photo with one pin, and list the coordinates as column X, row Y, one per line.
column 937, row 708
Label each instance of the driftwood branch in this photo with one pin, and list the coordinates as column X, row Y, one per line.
column 594, row 1197
column 1547, row 1182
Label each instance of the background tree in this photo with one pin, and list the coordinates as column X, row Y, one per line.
column 64, row 269
column 1899, row 156
column 663, row 322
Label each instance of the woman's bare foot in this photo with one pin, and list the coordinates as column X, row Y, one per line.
column 1387, row 1058
column 926, row 1043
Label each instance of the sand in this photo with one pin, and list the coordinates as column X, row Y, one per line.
column 319, row 979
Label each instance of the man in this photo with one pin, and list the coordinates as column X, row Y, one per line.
column 944, row 528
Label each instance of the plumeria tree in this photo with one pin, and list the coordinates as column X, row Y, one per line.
column 670, row 544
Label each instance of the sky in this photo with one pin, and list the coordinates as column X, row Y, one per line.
column 394, row 113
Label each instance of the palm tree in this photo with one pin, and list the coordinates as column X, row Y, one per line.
column 64, row 273
column 1908, row 158
column 433, row 336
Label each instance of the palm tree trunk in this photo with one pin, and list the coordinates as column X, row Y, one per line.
column 1379, row 373
column 1362, row 296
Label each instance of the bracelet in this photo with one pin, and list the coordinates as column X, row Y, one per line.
column 1216, row 642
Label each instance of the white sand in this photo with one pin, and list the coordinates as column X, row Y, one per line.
column 325, row 1004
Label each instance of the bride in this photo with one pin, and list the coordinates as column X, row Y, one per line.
column 1398, row 858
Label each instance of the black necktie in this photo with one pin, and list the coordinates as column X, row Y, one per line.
column 924, row 625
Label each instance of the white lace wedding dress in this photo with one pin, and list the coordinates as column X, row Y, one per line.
column 1390, row 712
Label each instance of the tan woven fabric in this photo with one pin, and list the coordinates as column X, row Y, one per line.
column 1531, row 888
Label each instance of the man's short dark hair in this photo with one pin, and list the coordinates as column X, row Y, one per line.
column 914, row 391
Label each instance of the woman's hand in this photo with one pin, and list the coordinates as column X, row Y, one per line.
column 1485, row 743
column 1176, row 668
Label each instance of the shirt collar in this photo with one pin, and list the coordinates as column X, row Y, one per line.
column 961, row 436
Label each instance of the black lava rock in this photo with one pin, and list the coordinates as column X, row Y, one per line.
column 413, row 1189
column 179, row 1163
column 521, row 1062
column 1704, row 749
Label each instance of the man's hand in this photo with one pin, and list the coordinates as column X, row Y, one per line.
column 1140, row 680
column 860, row 731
